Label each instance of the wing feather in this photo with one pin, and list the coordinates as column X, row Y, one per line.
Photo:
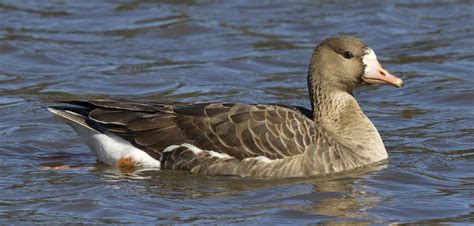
column 239, row 130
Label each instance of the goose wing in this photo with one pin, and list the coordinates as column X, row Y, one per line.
column 239, row 130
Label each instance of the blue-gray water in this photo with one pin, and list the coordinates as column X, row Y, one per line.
column 245, row 51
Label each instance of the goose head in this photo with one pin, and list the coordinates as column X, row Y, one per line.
column 345, row 62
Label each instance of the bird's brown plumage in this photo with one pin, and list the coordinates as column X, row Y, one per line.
column 253, row 140
column 239, row 130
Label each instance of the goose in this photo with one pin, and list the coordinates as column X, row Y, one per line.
column 247, row 140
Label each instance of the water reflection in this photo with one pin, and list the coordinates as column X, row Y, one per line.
column 338, row 195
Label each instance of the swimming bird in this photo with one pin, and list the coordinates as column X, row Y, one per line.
column 257, row 140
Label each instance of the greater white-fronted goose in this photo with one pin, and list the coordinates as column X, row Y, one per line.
column 246, row 139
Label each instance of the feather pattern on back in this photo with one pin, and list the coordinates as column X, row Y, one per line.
column 239, row 130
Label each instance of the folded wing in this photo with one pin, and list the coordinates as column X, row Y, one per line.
column 239, row 130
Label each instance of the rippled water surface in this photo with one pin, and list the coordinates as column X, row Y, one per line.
column 245, row 51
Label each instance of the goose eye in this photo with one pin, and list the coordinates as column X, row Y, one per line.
column 347, row 55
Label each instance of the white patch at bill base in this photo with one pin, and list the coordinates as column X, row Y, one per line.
column 368, row 59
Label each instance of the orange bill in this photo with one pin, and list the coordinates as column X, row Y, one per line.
column 376, row 74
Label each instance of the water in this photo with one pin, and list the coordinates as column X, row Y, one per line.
column 246, row 51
